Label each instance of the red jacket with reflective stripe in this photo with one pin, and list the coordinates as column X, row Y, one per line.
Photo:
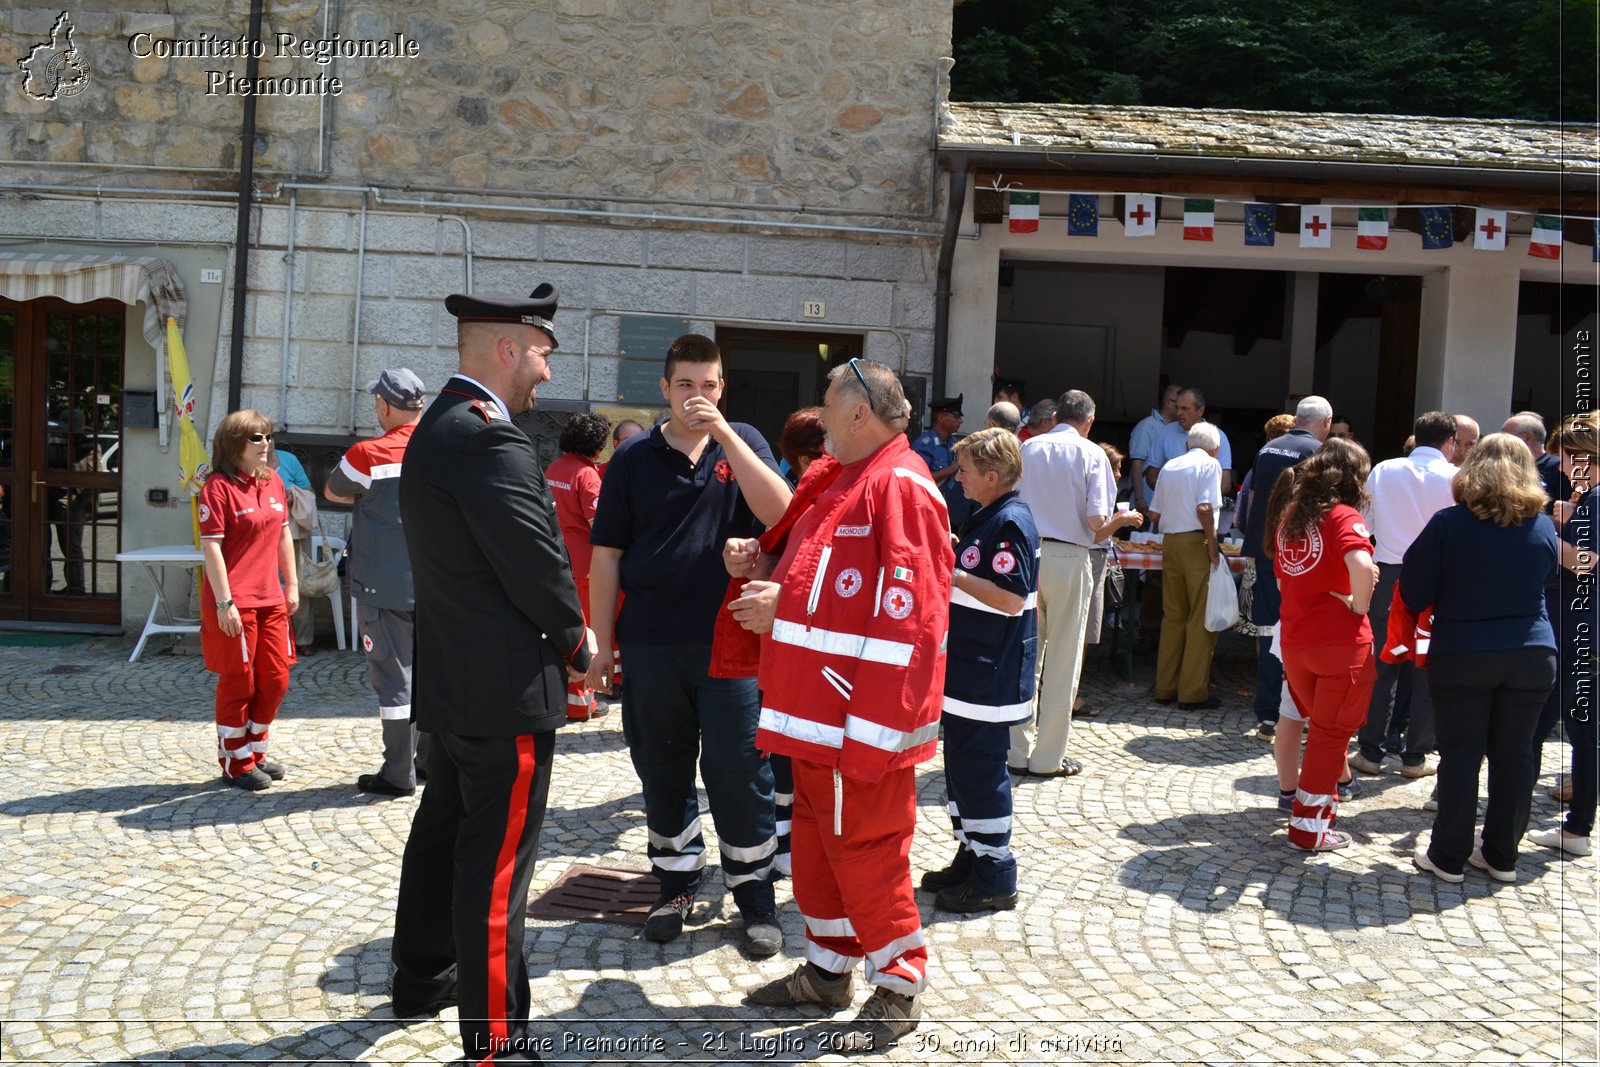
column 852, row 674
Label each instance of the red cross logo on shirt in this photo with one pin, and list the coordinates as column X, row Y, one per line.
column 848, row 584
column 898, row 602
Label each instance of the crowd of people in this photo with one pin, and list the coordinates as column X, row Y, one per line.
column 802, row 635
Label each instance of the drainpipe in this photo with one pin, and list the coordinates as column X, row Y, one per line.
column 288, row 304
column 956, row 203
column 355, row 332
column 241, row 241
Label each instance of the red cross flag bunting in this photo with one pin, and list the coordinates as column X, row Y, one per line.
column 1316, row 226
column 1139, row 215
column 1490, row 233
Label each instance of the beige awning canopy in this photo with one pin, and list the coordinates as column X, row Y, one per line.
column 79, row 279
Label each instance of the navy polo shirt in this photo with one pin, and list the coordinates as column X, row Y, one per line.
column 670, row 518
column 992, row 657
column 1275, row 457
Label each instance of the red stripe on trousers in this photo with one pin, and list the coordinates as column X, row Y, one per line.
column 500, row 898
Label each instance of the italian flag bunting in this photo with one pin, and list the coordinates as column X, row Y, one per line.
column 1024, row 213
column 1545, row 241
column 1372, row 228
column 1199, row 220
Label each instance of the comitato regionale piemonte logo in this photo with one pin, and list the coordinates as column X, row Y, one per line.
column 55, row 69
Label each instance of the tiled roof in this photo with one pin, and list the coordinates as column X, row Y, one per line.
column 1271, row 135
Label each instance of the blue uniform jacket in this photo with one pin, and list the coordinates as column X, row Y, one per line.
column 992, row 659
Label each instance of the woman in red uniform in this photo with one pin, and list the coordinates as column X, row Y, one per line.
column 1322, row 555
column 574, row 481
column 249, row 593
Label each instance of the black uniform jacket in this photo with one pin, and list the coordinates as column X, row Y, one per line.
column 497, row 616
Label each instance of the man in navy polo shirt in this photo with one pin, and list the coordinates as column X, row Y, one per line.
column 670, row 500
column 1313, row 419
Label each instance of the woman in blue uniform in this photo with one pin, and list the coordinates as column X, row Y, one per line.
column 989, row 672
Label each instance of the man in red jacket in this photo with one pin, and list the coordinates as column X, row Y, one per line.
column 852, row 671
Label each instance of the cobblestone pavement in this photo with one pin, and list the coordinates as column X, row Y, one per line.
column 149, row 913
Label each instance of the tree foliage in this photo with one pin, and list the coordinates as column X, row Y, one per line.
column 1518, row 59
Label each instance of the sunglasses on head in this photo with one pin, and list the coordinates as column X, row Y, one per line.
column 259, row 438
column 854, row 365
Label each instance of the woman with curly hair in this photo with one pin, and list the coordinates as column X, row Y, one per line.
column 574, row 481
column 1322, row 556
column 249, row 592
column 1483, row 566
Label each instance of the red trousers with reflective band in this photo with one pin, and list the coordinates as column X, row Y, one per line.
column 1331, row 685
column 851, row 850
column 580, row 698
column 252, row 678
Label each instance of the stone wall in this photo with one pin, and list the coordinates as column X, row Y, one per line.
column 828, row 104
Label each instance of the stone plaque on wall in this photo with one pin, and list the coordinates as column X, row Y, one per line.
column 648, row 336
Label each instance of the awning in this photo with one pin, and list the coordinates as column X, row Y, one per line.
column 79, row 279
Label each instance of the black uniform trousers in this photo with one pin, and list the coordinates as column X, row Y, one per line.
column 464, row 884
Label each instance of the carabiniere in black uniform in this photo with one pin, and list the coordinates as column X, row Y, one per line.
column 497, row 624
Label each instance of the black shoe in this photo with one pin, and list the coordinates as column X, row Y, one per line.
column 410, row 1007
column 953, row 875
column 252, row 780
column 665, row 922
column 271, row 768
column 965, row 900
column 377, row 783
column 1161, row 700
column 1199, row 705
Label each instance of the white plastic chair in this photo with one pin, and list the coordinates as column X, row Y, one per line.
column 337, row 546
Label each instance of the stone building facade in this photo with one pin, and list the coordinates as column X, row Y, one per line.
column 733, row 163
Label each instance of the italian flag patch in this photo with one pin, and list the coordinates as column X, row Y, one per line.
column 902, row 574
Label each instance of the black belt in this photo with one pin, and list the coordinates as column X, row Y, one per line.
column 1059, row 541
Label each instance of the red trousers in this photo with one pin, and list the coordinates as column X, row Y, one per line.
column 852, row 874
column 1332, row 686
column 580, row 698
column 252, row 678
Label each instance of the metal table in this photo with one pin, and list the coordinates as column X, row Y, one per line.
column 162, row 619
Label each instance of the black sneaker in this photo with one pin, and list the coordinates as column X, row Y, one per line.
column 955, row 874
column 252, row 780
column 965, row 900
column 377, row 783
column 271, row 768
column 665, row 922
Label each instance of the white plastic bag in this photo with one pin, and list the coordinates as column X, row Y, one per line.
column 1222, row 598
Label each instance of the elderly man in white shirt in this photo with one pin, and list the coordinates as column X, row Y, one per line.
column 1066, row 482
column 1187, row 500
column 1404, row 494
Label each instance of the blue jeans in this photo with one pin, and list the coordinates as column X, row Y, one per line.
column 1265, row 604
column 676, row 715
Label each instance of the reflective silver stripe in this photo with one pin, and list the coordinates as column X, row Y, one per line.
column 922, row 480
column 676, row 844
column 893, row 982
column 987, row 713
column 760, row 874
column 885, row 956
column 1315, row 800
column 1001, row 825
column 994, row 852
column 960, row 598
column 838, row 803
column 785, row 827
column 816, row 583
column 230, row 731
column 836, row 643
column 833, row 679
column 751, row 854
column 780, row 722
column 386, row 470
column 782, row 800
column 573, row 700
column 1310, row 826
column 877, row 595
column 691, row 862
column 398, row 711
column 830, row 960
column 363, row 480
column 829, row 927
column 888, row 738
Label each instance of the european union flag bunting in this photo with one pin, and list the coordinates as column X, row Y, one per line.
column 1083, row 215
column 1260, row 224
column 1438, row 227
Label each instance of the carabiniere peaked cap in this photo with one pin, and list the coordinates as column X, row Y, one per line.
column 538, row 308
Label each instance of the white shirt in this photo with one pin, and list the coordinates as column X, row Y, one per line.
column 1065, row 479
column 1406, row 492
column 1185, row 483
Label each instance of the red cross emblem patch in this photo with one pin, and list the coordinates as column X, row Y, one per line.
column 1004, row 563
column 971, row 557
column 898, row 602
column 848, row 583
column 724, row 471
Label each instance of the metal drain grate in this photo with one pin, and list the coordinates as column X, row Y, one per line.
column 586, row 893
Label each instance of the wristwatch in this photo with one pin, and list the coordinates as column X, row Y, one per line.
column 223, row 605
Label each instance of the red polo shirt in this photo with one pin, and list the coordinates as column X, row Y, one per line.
column 247, row 517
column 1311, row 567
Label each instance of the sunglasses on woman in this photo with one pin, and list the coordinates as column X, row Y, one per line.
column 259, row 438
